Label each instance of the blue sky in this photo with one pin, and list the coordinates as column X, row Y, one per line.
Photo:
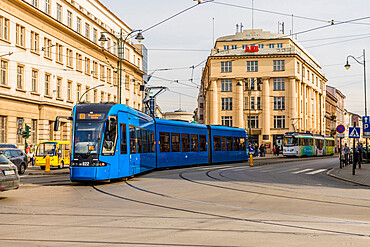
column 170, row 42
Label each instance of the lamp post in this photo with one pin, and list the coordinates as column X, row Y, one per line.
column 347, row 66
column 121, row 51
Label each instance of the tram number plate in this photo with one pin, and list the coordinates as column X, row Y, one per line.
column 11, row 172
column 84, row 164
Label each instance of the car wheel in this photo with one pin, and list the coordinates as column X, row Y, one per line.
column 22, row 168
column 42, row 167
column 61, row 165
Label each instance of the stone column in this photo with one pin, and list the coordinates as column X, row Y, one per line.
column 213, row 103
column 309, row 108
column 292, row 103
column 238, row 103
column 266, row 123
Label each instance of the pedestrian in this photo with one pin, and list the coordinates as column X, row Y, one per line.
column 256, row 150
column 262, row 151
column 360, row 160
column 274, row 150
column 277, row 150
column 32, row 154
column 346, row 154
column 28, row 149
column 356, row 155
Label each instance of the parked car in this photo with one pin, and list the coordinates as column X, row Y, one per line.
column 18, row 157
column 9, row 178
column 7, row 145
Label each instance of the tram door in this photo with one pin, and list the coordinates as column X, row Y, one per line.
column 123, row 145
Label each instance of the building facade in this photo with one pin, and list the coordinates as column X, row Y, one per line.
column 50, row 54
column 266, row 82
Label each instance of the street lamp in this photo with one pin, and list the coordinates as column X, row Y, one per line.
column 347, row 66
column 121, row 43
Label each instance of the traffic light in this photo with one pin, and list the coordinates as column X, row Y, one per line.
column 26, row 133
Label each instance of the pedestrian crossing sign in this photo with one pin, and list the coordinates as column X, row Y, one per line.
column 354, row 132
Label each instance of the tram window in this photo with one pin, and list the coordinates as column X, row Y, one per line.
column 217, row 143
column 123, row 139
column 242, row 143
column 194, row 143
column 185, row 142
column 152, row 142
column 202, row 143
column 229, row 142
column 236, row 144
column 110, row 137
column 223, row 143
column 164, row 142
column 139, row 140
column 145, row 140
column 175, row 142
column 132, row 139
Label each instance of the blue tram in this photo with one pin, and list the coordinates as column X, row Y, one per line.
column 114, row 141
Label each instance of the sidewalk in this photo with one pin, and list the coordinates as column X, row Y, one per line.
column 362, row 176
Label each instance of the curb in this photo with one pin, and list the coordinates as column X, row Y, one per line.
column 47, row 173
column 344, row 179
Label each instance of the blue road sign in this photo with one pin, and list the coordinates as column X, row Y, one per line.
column 354, row 132
column 366, row 123
column 251, row 148
column 340, row 128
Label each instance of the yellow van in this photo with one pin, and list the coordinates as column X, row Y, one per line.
column 57, row 150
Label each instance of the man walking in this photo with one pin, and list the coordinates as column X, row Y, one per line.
column 346, row 154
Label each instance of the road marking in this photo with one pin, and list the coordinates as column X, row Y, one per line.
column 315, row 172
column 301, row 171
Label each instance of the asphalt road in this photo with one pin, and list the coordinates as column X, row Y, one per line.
column 279, row 204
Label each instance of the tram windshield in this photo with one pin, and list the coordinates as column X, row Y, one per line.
column 289, row 141
column 47, row 148
column 87, row 137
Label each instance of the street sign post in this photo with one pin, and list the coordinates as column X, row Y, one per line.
column 340, row 130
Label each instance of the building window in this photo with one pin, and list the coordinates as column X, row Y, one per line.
column 297, row 67
column 115, row 78
column 95, row 96
column 87, row 66
column 69, row 58
column 226, row 85
column 280, row 45
column 34, row 131
column 47, row 7
column 34, row 42
column 59, row 49
column 260, row 46
column 226, row 104
column 79, row 62
column 95, row 35
column 258, row 103
column 227, row 121
column 252, row 66
column 250, row 84
column 234, row 47
column 59, row 88
column 279, row 65
column 226, row 66
column 244, row 47
column 102, row 97
column 127, row 82
column 35, row 3
column 47, row 47
column 252, row 103
column 59, row 12
column 109, row 75
column 3, row 129
column 69, row 18
column 20, row 35
column 279, row 84
column 252, row 122
column 102, row 73
column 3, row 72
column 95, row 69
column 47, row 84
column 87, row 30
column 114, row 46
column 303, row 71
column 34, row 80
column 78, row 91
column 19, row 126
column 69, row 90
column 4, row 28
column 271, row 45
column 279, row 103
column 20, row 76
column 279, row 122
column 78, row 25
column 87, row 94
column 226, row 47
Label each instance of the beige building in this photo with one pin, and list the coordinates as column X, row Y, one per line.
column 265, row 79
column 50, row 55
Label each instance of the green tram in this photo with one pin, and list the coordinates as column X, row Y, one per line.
column 303, row 144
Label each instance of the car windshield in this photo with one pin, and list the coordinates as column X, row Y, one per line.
column 47, row 148
column 289, row 141
column 3, row 159
column 87, row 137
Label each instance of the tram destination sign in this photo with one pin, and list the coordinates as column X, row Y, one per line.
column 90, row 116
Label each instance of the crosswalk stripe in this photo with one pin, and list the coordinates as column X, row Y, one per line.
column 305, row 170
column 316, row 171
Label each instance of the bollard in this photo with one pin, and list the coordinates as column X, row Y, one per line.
column 47, row 163
column 250, row 160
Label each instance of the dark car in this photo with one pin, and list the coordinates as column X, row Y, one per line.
column 7, row 145
column 9, row 178
column 17, row 156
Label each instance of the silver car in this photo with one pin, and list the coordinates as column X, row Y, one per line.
column 9, row 178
